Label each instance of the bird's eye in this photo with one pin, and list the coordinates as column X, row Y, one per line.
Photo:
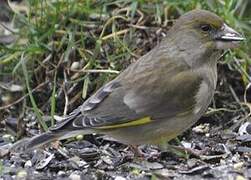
column 206, row 27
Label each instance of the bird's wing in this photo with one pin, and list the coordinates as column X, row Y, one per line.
column 124, row 102
column 104, row 108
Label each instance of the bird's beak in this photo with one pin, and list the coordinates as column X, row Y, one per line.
column 229, row 34
column 228, row 38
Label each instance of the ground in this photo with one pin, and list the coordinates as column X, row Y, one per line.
column 54, row 55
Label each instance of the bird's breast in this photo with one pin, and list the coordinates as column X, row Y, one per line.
column 202, row 98
column 206, row 89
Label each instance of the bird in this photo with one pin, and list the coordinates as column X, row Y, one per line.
column 160, row 95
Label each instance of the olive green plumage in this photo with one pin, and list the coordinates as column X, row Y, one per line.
column 160, row 95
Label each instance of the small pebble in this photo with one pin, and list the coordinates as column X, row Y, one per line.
column 21, row 175
column 74, row 176
column 61, row 173
column 238, row 166
column 119, row 178
column 75, row 65
column 239, row 177
column 79, row 137
column 202, row 128
column 28, row 164
column 8, row 138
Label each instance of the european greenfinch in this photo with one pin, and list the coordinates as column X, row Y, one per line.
column 160, row 95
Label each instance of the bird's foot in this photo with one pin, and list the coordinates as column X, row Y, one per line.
column 146, row 152
column 185, row 152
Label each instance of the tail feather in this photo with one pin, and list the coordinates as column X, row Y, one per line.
column 45, row 138
column 28, row 144
column 63, row 130
column 42, row 139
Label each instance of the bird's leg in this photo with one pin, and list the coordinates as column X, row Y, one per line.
column 182, row 151
column 186, row 151
column 146, row 152
column 136, row 151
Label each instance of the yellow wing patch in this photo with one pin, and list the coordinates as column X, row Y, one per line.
column 137, row 122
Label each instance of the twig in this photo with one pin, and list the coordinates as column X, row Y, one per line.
column 23, row 97
column 233, row 94
column 115, row 34
column 65, row 95
column 110, row 21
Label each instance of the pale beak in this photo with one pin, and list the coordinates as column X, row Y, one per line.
column 227, row 38
column 229, row 34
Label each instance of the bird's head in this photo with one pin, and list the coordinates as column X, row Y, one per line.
column 201, row 26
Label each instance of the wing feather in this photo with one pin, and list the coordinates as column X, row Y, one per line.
column 126, row 101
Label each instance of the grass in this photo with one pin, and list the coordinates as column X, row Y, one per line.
column 71, row 49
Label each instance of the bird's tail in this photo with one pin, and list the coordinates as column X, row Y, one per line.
column 50, row 136
column 28, row 144
column 42, row 139
column 63, row 130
